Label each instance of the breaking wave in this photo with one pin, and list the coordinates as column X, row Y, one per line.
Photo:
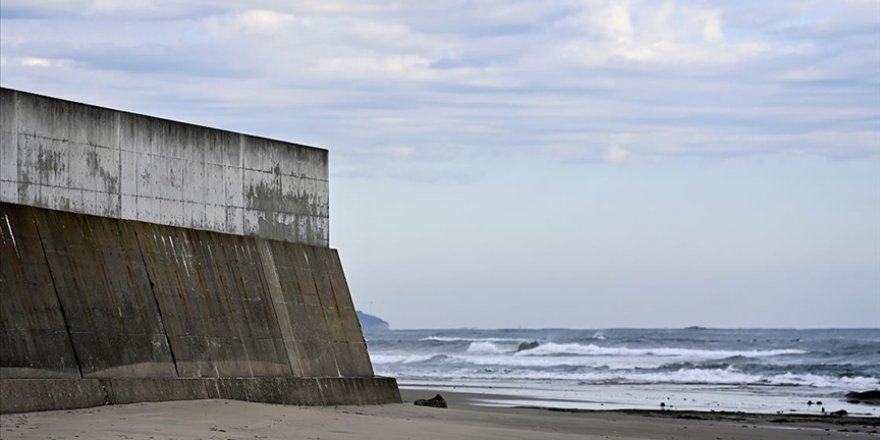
column 407, row 358
column 726, row 376
column 485, row 347
column 462, row 339
column 554, row 349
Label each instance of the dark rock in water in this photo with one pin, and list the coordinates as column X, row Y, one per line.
column 371, row 323
column 437, row 402
column 871, row 397
column 527, row 345
column 838, row 413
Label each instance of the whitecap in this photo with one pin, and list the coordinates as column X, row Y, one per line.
column 484, row 347
column 555, row 349
column 463, row 339
column 405, row 358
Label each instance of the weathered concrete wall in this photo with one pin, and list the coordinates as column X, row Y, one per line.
column 80, row 158
column 38, row 346
column 133, row 299
column 22, row 395
column 147, row 259
column 99, row 298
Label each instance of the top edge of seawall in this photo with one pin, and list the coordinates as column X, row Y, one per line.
column 175, row 121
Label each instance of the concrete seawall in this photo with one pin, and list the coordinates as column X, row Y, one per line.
column 81, row 158
column 87, row 297
column 145, row 259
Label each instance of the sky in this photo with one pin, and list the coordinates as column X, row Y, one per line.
column 523, row 164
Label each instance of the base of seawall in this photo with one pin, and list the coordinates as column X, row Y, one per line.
column 25, row 395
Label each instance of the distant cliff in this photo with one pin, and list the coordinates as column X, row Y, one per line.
column 371, row 323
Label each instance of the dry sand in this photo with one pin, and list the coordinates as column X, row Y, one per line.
column 226, row 419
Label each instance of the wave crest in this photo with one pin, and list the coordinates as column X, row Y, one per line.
column 485, row 347
column 555, row 349
column 464, row 339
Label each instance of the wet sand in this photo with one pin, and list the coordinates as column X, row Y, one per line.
column 226, row 419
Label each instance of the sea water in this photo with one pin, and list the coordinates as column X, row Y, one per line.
column 754, row 370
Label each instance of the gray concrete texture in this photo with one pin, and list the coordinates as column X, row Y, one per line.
column 146, row 259
column 94, row 297
column 143, row 305
column 80, row 158
column 23, row 395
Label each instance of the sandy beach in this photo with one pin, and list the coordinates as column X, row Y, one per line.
column 226, row 419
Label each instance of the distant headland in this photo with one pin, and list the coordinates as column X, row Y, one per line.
column 372, row 323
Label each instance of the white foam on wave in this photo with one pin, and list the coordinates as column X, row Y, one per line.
column 814, row 380
column 485, row 347
column 404, row 358
column 552, row 348
column 506, row 359
column 719, row 376
column 462, row 339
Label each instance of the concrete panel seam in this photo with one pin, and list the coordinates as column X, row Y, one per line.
column 119, row 163
column 155, row 298
column 324, row 314
column 58, row 297
column 267, row 266
column 321, row 391
column 107, row 391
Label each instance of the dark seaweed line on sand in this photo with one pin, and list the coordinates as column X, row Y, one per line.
column 734, row 416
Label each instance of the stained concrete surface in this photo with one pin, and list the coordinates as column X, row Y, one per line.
column 94, row 297
column 86, row 159
column 148, row 259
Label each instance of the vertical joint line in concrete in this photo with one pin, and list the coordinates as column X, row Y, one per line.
column 327, row 173
column 265, row 252
column 323, row 311
column 321, row 391
column 15, row 131
column 156, row 300
column 119, row 162
column 242, row 194
column 58, row 298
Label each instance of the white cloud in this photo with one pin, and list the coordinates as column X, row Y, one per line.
column 37, row 62
column 712, row 28
column 387, row 67
column 558, row 81
column 255, row 21
column 655, row 32
column 615, row 22
column 616, row 155
column 400, row 151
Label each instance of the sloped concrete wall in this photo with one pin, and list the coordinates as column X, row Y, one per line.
column 87, row 297
column 80, row 158
column 34, row 341
column 147, row 259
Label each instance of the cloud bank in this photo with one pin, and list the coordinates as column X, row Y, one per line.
column 589, row 81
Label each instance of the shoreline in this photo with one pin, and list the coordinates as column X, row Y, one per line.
column 469, row 400
column 466, row 417
column 648, row 397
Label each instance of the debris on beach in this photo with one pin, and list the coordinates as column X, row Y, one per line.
column 437, row 402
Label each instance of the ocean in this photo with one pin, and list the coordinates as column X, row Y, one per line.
column 753, row 370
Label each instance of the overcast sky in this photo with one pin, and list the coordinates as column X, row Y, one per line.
column 579, row 164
